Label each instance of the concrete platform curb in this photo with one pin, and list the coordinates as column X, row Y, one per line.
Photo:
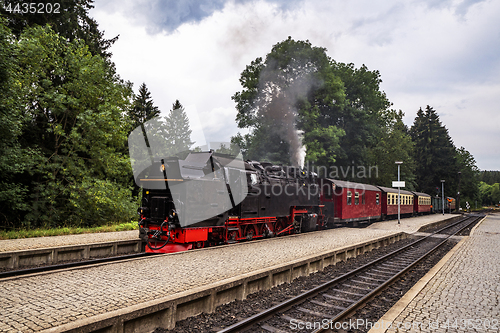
column 438, row 224
column 166, row 311
column 53, row 255
column 388, row 318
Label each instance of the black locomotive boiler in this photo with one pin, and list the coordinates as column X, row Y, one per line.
column 208, row 199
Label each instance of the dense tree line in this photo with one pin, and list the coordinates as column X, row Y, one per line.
column 490, row 177
column 65, row 116
column 65, row 160
column 342, row 118
column 489, row 187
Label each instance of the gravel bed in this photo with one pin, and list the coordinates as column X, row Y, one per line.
column 349, row 290
column 233, row 312
column 466, row 231
column 376, row 308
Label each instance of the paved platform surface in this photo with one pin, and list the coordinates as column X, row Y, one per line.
column 34, row 303
column 464, row 295
column 57, row 241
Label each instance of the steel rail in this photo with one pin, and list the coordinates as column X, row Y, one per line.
column 248, row 322
column 353, row 307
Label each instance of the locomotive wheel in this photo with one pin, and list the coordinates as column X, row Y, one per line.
column 250, row 232
column 199, row 245
column 232, row 235
column 278, row 226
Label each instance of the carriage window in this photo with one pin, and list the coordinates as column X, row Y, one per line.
column 377, row 198
column 356, row 198
column 349, row 197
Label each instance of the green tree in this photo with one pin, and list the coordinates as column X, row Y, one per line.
column 15, row 161
column 469, row 182
column 489, row 194
column 177, row 130
column 394, row 144
column 291, row 91
column 72, row 22
column 143, row 107
column 490, row 177
column 362, row 116
column 435, row 153
column 74, row 107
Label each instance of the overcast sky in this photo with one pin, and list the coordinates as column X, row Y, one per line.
column 441, row 53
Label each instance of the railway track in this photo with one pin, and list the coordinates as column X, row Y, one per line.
column 83, row 263
column 323, row 307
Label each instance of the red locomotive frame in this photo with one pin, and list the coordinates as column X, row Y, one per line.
column 235, row 230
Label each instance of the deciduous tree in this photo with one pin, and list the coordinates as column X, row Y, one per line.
column 290, row 91
column 74, row 107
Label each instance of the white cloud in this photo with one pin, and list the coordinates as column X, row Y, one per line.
column 441, row 53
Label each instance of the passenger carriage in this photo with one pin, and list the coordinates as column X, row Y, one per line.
column 351, row 203
column 390, row 202
column 422, row 203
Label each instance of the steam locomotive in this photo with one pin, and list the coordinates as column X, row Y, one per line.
column 208, row 199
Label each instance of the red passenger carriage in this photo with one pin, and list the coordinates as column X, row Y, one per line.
column 350, row 202
column 390, row 202
column 422, row 203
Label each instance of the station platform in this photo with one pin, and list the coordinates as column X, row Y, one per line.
column 58, row 301
column 7, row 245
column 460, row 294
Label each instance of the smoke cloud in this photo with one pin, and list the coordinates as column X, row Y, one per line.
column 282, row 89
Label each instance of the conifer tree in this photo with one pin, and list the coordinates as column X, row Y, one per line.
column 68, row 18
column 177, row 130
column 143, row 107
column 434, row 152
